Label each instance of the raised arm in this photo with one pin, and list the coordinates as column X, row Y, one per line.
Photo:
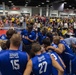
column 60, row 49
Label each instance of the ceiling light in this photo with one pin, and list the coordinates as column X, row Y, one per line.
column 13, row 5
column 65, row 2
column 47, row 1
column 73, row 7
column 10, row 1
column 36, row 6
column 26, row 2
column 42, row 3
column 51, row 6
column 67, row 8
column 25, row 5
column 39, row 5
column 70, row 6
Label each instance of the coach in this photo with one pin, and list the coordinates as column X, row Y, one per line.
column 28, row 37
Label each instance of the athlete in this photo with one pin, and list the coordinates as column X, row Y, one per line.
column 41, row 64
column 13, row 61
column 64, row 51
column 46, row 43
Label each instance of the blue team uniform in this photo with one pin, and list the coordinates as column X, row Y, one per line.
column 73, row 65
column 67, row 55
column 54, row 45
column 56, row 56
column 42, row 64
column 13, row 62
column 31, row 35
column 41, row 37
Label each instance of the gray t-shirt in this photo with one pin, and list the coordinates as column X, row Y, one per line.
column 71, row 40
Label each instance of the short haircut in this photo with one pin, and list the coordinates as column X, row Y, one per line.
column 47, row 41
column 36, row 47
column 30, row 26
column 3, row 46
column 44, row 30
column 49, row 34
column 8, row 44
column 56, row 38
column 15, row 40
column 10, row 32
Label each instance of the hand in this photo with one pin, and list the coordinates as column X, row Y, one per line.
column 23, row 36
column 50, row 47
column 26, row 37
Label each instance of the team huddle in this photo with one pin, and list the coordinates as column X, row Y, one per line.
column 41, row 54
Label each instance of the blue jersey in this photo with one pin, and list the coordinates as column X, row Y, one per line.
column 57, row 58
column 54, row 45
column 31, row 35
column 41, row 37
column 68, row 53
column 42, row 64
column 73, row 65
column 13, row 62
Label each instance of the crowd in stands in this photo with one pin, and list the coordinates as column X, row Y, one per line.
column 45, row 46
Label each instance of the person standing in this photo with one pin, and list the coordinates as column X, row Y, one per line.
column 28, row 37
column 75, row 28
column 42, row 63
column 13, row 61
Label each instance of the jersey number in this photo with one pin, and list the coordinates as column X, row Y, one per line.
column 15, row 64
column 54, row 56
column 43, row 67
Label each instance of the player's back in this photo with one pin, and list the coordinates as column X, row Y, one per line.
column 13, row 62
column 57, row 58
column 42, row 64
column 68, row 53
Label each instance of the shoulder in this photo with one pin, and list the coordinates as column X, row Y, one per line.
column 60, row 44
column 3, row 53
column 46, row 55
column 22, row 53
column 24, row 31
column 34, row 58
column 33, row 32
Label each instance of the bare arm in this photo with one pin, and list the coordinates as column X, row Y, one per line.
column 28, row 68
column 62, row 62
column 57, row 66
column 60, row 48
column 28, row 57
column 73, row 45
